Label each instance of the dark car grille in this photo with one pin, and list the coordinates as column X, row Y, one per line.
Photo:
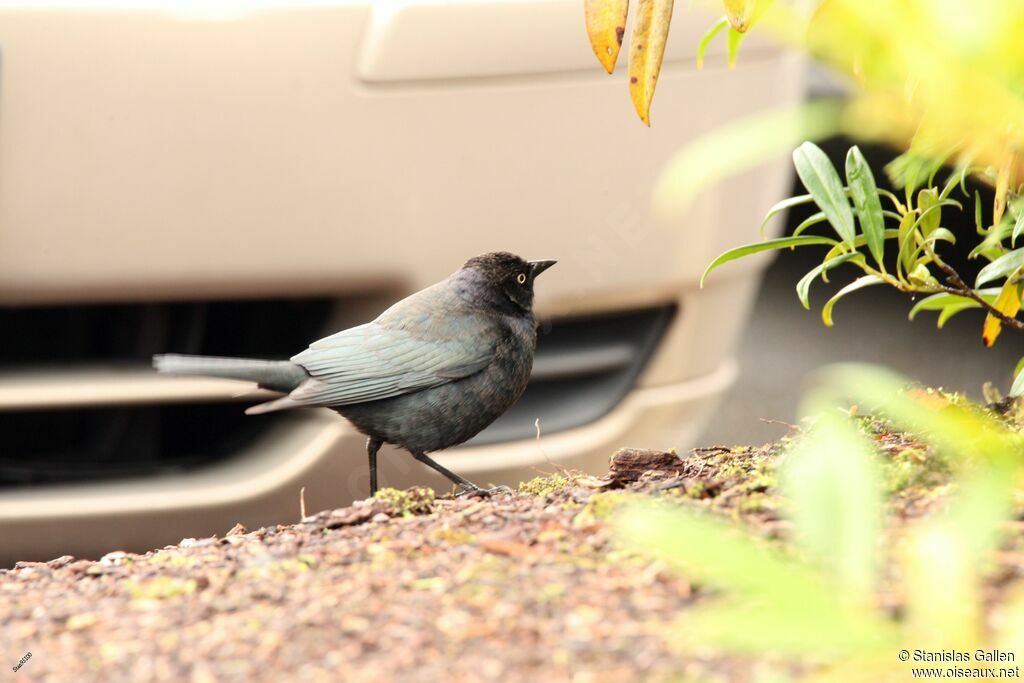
column 583, row 368
column 84, row 442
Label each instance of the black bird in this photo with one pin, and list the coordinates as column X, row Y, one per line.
column 429, row 373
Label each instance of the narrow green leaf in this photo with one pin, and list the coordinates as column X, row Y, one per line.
column 1018, row 381
column 809, row 222
column 957, row 177
column 931, row 210
column 859, row 283
column 921, row 276
column 820, row 178
column 702, row 46
column 942, row 235
column 939, row 235
column 1018, row 226
column 767, row 245
column 785, row 204
column 1001, row 267
column 911, row 169
column 859, row 242
column 864, row 192
column 937, row 302
column 804, row 286
column 906, row 242
column 948, row 312
column 977, row 213
column 733, row 41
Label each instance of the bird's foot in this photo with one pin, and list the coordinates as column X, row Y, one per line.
column 474, row 491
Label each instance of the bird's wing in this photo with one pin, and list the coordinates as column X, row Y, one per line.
column 380, row 360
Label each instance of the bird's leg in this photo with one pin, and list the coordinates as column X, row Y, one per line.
column 467, row 486
column 372, row 446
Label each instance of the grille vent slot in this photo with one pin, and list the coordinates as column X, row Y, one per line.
column 583, row 368
column 78, row 401
column 58, row 423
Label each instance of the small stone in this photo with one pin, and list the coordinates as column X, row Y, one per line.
column 113, row 559
column 80, row 621
column 61, row 561
column 380, row 517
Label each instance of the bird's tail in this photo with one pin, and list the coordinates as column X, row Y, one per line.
column 276, row 375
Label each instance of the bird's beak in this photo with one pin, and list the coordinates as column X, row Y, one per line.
column 538, row 267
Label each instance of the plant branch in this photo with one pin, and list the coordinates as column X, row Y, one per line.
column 961, row 288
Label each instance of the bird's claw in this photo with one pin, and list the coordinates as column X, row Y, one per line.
column 478, row 492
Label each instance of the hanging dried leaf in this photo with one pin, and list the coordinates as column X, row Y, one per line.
column 1007, row 303
column 606, row 24
column 646, row 50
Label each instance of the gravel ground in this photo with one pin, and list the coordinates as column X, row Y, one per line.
column 525, row 586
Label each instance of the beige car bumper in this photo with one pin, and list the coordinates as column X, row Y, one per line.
column 314, row 452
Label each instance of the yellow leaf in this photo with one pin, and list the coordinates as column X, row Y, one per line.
column 646, row 50
column 606, row 24
column 738, row 12
column 1007, row 303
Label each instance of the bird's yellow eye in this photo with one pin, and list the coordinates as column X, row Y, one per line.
column 521, row 278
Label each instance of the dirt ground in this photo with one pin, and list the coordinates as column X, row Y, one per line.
column 528, row 586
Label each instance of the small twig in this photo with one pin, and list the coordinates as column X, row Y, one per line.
column 770, row 421
column 712, row 449
column 960, row 288
column 302, row 503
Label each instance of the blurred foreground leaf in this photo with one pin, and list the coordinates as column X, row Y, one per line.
column 735, row 146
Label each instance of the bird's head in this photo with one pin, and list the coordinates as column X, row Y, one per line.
column 509, row 276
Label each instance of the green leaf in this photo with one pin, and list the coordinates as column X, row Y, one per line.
column 937, row 302
column 767, row 245
column 957, row 177
column 950, row 311
column 733, row 41
column 702, row 46
column 859, row 283
column 1018, row 226
column 1018, row 380
column 809, row 222
column 931, row 210
column 820, row 178
column 942, row 235
column 785, row 204
column 906, row 242
column 979, row 226
column 859, row 242
column 803, row 287
column 864, row 192
column 911, row 169
column 1001, row 267
column 832, row 481
column 921, row 276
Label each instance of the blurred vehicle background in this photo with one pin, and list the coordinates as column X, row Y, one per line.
column 242, row 177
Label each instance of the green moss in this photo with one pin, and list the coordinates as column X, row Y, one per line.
column 545, row 486
column 602, row 505
column 160, row 588
column 757, row 502
column 418, row 500
column 914, row 468
column 451, row 536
